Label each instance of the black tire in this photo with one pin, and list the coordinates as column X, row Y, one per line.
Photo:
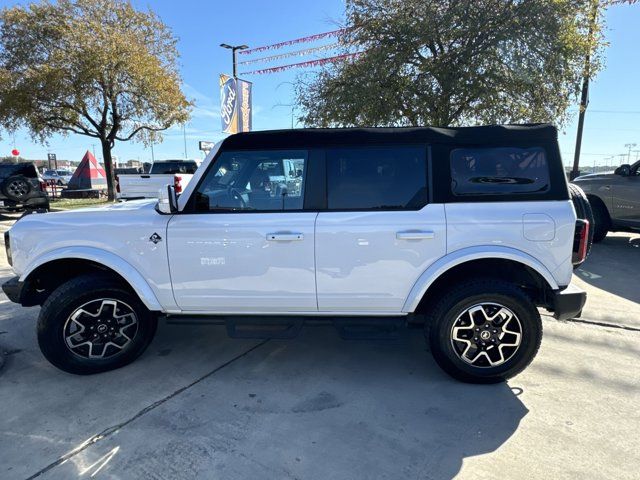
column 601, row 220
column 88, row 291
column 446, row 312
column 16, row 188
column 583, row 211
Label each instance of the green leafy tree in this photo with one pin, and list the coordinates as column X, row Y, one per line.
column 98, row 68
column 447, row 63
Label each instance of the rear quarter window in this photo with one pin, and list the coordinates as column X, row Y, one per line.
column 499, row 171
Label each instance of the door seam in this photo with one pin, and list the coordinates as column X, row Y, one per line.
column 315, row 262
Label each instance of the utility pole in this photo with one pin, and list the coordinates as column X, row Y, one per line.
column 584, row 97
column 234, row 52
column 606, row 160
column 153, row 158
column 630, row 146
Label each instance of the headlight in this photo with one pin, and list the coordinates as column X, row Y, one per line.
column 7, row 246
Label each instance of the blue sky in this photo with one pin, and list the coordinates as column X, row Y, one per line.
column 613, row 118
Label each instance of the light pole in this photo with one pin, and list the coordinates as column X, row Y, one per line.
column 234, row 49
column 630, row 146
column 292, row 105
column 184, row 135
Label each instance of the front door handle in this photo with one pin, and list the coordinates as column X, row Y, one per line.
column 415, row 235
column 284, row 237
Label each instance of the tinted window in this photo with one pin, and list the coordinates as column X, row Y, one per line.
column 497, row 171
column 377, row 178
column 25, row 169
column 174, row 167
column 258, row 181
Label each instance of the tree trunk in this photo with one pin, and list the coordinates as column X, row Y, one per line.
column 108, row 168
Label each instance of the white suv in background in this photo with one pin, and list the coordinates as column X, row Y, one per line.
column 464, row 230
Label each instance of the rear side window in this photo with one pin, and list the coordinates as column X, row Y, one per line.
column 377, row 178
column 499, row 171
column 24, row 169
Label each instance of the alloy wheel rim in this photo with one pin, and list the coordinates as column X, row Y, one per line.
column 99, row 329
column 18, row 188
column 486, row 335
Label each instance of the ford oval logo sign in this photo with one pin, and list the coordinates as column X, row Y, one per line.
column 228, row 104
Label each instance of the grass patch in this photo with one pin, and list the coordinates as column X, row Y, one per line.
column 73, row 203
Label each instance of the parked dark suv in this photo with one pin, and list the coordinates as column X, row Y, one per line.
column 21, row 188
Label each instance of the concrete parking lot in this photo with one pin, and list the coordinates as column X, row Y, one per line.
column 199, row 405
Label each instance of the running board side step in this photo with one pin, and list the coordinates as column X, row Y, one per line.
column 285, row 327
column 254, row 327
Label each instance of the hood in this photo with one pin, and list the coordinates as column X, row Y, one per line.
column 114, row 207
column 592, row 176
column 122, row 213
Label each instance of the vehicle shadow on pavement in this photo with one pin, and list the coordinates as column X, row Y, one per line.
column 612, row 263
column 315, row 407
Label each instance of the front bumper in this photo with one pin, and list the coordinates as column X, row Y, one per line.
column 13, row 289
column 567, row 303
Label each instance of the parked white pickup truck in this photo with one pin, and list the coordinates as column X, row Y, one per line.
column 166, row 172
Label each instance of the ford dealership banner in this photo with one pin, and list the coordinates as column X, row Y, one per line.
column 235, row 104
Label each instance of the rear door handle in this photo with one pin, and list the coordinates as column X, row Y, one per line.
column 415, row 235
column 284, row 237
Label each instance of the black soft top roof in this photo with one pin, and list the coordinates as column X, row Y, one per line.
column 317, row 137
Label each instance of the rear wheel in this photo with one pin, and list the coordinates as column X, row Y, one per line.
column 16, row 188
column 92, row 324
column 484, row 331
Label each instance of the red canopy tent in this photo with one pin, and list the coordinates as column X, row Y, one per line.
column 89, row 175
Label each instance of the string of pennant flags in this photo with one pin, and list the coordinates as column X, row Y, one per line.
column 308, row 63
column 298, row 53
column 307, row 39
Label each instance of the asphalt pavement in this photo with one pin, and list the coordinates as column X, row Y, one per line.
column 200, row 405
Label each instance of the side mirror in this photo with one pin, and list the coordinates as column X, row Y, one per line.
column 167, row 200
column 623, row 170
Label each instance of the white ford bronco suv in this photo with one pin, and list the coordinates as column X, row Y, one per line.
column 466, row 231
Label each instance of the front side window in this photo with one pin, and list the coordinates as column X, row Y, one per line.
column 499, row 171
column 377, row 178
column 254, row 181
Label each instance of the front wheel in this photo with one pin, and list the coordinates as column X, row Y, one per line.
column 92, row 324
column 484, row 331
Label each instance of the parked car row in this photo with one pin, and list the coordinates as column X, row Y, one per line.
column 59, row 177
